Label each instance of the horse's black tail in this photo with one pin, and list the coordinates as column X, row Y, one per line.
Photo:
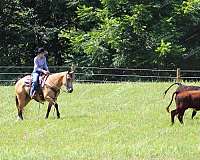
column 16, row 100
column 167, row 108
column 176, row 83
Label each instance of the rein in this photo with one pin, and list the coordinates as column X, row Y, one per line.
column 55, row 88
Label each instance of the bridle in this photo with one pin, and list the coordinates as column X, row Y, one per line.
column 69, row 77
column 55, row 88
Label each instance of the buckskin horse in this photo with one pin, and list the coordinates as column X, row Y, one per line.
column 48, row 92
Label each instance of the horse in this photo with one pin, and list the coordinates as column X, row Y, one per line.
column 48, row 92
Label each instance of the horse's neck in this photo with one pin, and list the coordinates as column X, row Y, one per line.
column 55, row 80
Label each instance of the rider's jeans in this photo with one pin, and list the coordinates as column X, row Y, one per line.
column 35, row 79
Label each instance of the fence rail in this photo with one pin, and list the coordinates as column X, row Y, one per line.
column 99, row 75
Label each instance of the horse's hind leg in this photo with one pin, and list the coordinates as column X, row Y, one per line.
column 21, row 101
column 20, row 111
column 19, row 107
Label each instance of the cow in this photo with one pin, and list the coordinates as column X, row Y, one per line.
column 185, row 100
column 180, row 89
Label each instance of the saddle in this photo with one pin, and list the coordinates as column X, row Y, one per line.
column 39, row 94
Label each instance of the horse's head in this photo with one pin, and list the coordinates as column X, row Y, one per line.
column 69, row 79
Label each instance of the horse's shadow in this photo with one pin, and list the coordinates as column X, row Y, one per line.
column 75, row 117
column 70, row 117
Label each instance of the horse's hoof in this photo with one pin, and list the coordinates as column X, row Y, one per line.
column 19, row 119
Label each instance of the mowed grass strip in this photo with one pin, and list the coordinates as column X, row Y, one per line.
column 99, row 121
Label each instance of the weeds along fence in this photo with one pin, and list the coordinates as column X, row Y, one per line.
column 9, row 74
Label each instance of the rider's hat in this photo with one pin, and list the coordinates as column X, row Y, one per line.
column 40, row 50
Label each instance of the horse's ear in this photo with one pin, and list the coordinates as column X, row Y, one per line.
column 69, row 70
column 72, row 74
column 73, row 67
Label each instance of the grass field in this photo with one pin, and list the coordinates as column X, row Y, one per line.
column 126, row 121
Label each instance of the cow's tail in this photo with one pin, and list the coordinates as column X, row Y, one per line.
column 167, row 108
column 176, row 83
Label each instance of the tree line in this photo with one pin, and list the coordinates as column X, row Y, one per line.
column 104, row 33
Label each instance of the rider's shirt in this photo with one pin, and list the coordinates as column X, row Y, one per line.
column 40, row 64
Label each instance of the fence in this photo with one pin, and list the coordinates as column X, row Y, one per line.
column 9, row 74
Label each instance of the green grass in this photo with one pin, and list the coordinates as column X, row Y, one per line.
column 126, row 121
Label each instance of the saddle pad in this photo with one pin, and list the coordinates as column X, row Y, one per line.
column 28, row 80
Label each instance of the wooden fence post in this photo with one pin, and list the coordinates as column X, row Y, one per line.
column 178, row 75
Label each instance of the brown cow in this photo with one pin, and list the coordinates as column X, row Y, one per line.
column 180, row 89
column 185, row 100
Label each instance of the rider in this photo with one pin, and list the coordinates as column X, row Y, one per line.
column 40, row 67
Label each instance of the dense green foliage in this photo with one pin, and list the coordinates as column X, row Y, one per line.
column 99, row 121
column 108, row 33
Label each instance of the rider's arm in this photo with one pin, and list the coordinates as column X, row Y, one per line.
column 36, row 65
column 45, row 64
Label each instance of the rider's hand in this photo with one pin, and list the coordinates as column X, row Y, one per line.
column 46, row 72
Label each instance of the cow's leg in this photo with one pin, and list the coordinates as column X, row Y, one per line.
column 180, row 116
column 57, row 111
column 48, row 110
column 173, row 114
column 194, row 113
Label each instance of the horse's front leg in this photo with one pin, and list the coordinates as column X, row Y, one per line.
column 52, row 102
column 57, row 111
column 48, row 110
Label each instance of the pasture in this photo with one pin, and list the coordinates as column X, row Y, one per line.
column 125, row 121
